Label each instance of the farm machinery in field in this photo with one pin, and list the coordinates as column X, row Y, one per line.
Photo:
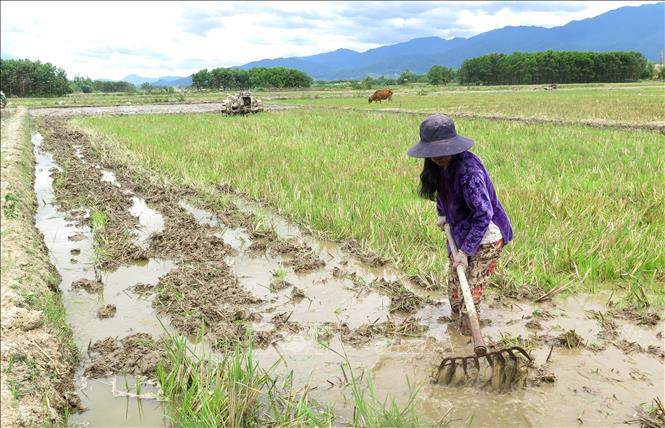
column 241, row 103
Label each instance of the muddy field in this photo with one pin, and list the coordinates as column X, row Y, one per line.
column 138, row 256
column 135, row 109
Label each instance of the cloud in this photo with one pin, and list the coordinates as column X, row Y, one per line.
column 114, row 39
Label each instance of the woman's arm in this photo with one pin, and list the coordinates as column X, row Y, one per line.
column 477, row 199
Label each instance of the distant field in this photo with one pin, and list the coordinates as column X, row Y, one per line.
column 623, row 104
column 639, row 102
column 586, row 204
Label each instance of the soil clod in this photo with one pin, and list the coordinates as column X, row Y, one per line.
column 137, row 354
column 88, row 285
column 107, row 311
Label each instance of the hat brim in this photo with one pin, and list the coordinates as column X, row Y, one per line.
column 433, row 149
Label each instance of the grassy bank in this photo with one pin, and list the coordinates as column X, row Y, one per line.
column 39, row 354
column 586, row 204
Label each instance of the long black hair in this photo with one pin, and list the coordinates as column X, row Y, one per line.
column 429, row 180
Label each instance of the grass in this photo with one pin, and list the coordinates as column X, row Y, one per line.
column 586, row 204
column 639, row 104
column 9, row 206
column 625, row 102
column 234, row 392
column 98, row 221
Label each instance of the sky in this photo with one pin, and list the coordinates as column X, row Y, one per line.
column 155, row 39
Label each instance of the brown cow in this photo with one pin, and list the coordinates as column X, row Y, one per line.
column 382, row 94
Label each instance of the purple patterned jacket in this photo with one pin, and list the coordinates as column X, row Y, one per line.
column 466, row 197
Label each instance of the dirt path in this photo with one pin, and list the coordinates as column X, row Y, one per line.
column 136, row 109
column 38, row 356
column 211, row 258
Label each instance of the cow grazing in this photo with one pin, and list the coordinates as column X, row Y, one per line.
column 380, row 95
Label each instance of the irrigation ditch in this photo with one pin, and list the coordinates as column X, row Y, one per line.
column 141, row 258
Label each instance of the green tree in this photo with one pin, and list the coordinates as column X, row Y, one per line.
column 440, row 75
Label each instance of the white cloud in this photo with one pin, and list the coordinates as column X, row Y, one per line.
column 113, row 39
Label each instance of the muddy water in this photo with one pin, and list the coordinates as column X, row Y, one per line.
column 597, row 388
column 72, row 252
column 593, row 388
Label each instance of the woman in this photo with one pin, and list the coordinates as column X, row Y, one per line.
column 467, row 202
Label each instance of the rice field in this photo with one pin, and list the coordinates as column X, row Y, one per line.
column 586, row 204
column 622, row 104
column 638, row 102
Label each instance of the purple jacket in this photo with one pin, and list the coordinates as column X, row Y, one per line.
column 466, row 197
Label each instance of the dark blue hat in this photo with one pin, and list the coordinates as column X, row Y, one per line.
column 439, row 138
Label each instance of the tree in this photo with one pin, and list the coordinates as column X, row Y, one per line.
column 147, row 87
column 201, row 79
column 552, row 67
column 407, row 77
column 440, row 75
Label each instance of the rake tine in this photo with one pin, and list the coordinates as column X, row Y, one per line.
column 498, row 371
column 521, row 351
column 509, row 372
column 446, row 371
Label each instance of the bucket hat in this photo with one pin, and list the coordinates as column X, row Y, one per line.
column 439, row 138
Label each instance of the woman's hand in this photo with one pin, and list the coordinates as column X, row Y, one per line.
column 460, row 259
column 442, row 222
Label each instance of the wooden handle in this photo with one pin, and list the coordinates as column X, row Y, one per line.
column 478, row 343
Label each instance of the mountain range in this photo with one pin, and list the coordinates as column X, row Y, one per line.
column 630, row 28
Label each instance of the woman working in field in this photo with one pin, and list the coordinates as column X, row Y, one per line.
column 467, row 202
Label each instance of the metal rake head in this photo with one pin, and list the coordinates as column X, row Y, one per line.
column 504, row 365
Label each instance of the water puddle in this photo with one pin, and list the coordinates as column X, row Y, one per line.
column 114, row 402
column 72, row 252
column 78, row 154
column 109, row 177
column 151, row 222
column 202, row 217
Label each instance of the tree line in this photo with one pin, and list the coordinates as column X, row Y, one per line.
column 25, row 78
column 87, row 85
column 259, row 77
column 552, row 67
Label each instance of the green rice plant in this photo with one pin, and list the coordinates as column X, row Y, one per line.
column 280, row 274
column 233, row 392
column 586, row 204
column 507, row 340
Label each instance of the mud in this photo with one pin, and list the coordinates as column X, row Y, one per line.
column 88, row 285
column 364, row 254
column 204, row 295
column 137, row 354
column 107, row 311
column 381, row 321
column 64, row 112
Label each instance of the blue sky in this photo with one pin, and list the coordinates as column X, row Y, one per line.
column 114, row 39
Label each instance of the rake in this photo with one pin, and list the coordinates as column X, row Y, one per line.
column 505, row 368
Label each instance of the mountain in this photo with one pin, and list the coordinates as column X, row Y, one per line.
column 137, row 80
column 178, row 81
column 630, row 28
